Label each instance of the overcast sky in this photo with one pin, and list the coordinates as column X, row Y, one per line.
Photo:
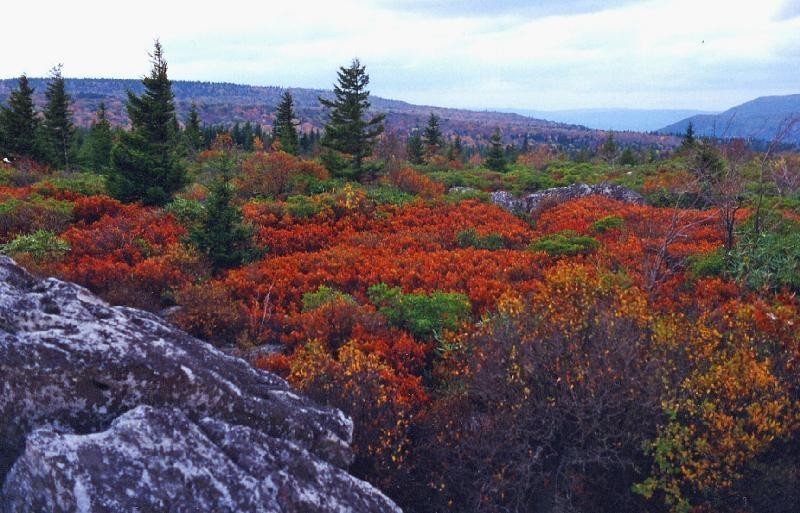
column 560, row 54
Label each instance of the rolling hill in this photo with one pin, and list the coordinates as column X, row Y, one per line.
column 637, row 120
column 226, row 103
column 760, row 119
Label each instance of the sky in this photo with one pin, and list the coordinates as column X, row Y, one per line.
column 545, row 55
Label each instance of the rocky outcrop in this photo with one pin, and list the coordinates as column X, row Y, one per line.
column 106, row 409
column 531, row 202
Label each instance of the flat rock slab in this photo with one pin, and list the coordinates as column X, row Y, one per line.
column 95, row 400
column 530, row 202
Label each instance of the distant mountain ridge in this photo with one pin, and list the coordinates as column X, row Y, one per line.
column 228, row 103
column 637, row 120
column 760, row 119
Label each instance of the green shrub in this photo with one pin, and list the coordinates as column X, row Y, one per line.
column 767, row 259
column 607, row 223
column 330, row 185
column 5, row 176
column 708, row 264
column 470, row 238
column 521, row 180
column 389, row 195
column 88, row 184
column 34, row 213
column 481, row 179
column 188, row 212
column 323, row 296
column 301, row 207
column 566, row 243
column 423, row 315
column 770, row 259
column 40, row 245
column 566, row 173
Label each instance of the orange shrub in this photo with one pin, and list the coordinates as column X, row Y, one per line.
column 412, row 182
column 275, row 173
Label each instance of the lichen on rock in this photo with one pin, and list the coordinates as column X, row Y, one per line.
column 102, row 408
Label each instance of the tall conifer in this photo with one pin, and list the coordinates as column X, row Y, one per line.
column 19, row 122
column 414, row 148
column 58, row 126
column 495, row 158
column 193, row 133
column 348, row 131
column 283, row 129
column 99, row 142
column 432, row 136
column 145, row 164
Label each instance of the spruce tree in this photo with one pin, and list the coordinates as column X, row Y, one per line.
column 100, row 142
column 414, row 148
column 456, row 149
column 258, row 131
column 432, row 136
column 526, row 145
column 236, row 134
column 145, row 163
column 283, row 129
column 689, row 140
column 608, row 150
column 58, row 126
column 347, row 130
column 192, row 134
column 19, row 122
column 304, row 143
column 495, row 158
column 247, row 136
column 627, row 158
column 222, row 236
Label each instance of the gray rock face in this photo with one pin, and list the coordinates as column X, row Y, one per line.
column 530, row 202
column 106, row 409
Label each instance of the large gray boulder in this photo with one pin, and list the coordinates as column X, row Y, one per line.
column 531, row 202
column 106, row 409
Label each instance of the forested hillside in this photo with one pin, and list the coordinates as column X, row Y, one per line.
column 226, row 104
column 762, row 119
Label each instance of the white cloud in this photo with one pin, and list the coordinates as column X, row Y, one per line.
column 704, row 54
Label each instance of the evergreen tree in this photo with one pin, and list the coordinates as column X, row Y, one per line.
column 247, row 136
column 99, row 142
column 526, row 145
column 414, row 148
column 145, row 164
column 456, row 150
column 222, row 236
column 511, row 153
column 192, row 134
column 689, row 140
column 495, row 157
column 19, row 123
column 627, row 158
column 580, row 156
column 236, row 134
column 347, row 131
column 432, row 136
column 608, row 150
column 258, row 132
column 309, row 142
column 284, row 129
column 304, row 143
column 59, row 130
